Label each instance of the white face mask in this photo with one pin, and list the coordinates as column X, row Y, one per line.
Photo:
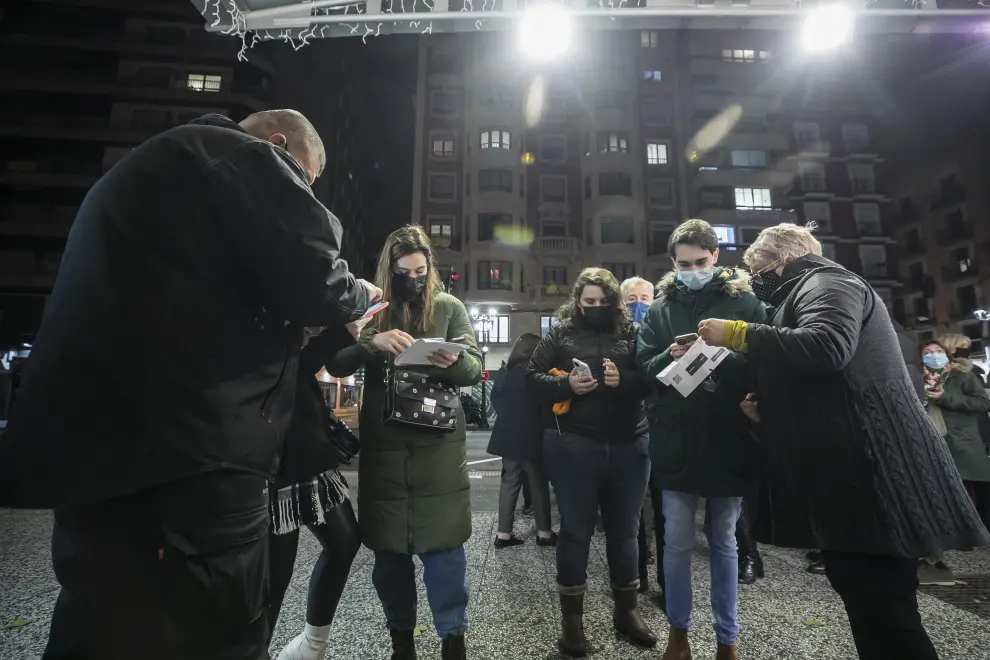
column 696, row 279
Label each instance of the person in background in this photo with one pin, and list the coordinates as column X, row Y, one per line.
column 638, row 295
column 414, row 496
column 700, row 445
column 310, row 491
column 595, row 448
column 192, row 267
column 956, row 400
column 517, row 437
column 846, row 442
column 527, row 498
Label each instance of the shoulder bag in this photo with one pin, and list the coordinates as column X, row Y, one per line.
column 416, row 400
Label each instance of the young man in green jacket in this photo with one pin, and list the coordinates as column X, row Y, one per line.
column 699, row 444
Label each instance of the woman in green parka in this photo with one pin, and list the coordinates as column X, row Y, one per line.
column 413, row 494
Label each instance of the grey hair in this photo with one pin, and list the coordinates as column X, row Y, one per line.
column 294, row 125
column 780, row 245
column 630, row 283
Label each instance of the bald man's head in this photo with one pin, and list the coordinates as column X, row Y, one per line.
column 293, row 132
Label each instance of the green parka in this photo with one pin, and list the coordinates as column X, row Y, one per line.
column 413, row 490
column 962, row 403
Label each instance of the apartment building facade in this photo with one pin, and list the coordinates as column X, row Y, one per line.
column 943, row 235
column 524, row 175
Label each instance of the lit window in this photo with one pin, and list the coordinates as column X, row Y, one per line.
column 656, row 153
column 741, row 55
column 749, row 158
column 649, row 39
column 495, row 330
column 203, row 83
column 443, row 147
column 753, row 198
column 494, row 275
column 547, row 322
column 495, row 139
column 441, row 227
column 726, row 235
column 613, row 142
column 653, row 75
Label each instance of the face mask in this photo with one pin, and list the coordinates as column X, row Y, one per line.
column 765, row 284
column 406, row 287
column 637, row 310
column 696, row 279
column 598, row 318
column 936, row 360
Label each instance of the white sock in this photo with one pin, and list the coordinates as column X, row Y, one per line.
column 318, row 634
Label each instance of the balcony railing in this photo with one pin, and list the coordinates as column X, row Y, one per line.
column 564, row 244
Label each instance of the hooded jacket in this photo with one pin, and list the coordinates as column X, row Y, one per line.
column 700, row 444
column 170, row 341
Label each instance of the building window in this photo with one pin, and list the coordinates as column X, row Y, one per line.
column 867, row 219
column 660, row 193
column 649, row 39
column 812, row 177
column 748, row 235
column 553, row 189
column 554, row 275
column 745, row 56
column 753, row 198
column 554, row 108
column 442, row 187
column 496, row 331
column 494, row 180
column 611, row 99
column 494, row 275
column 966, row 300
column 856, row 136
column 656, row 153
column 442, row 228
column 726, row 235
column 874, row 260
column 806, row 133
column 553, row 149
column 749, row 158
column 488, row 224
column 613, row 142
column 862, row 178
column 553, row 228
column 202, row 82
column 615, row 183
column 443, row 145
column 495, row 139
column 587, row 187
column 493, row 95
column 443, row 104
column 621, row 271
column 656, row 112
column 820, row 213
column 546, row 322
column 617, row 229
column 660, row 237
column 652, row 75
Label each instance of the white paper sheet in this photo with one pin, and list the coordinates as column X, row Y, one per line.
column 693, row 367
column 416, row 355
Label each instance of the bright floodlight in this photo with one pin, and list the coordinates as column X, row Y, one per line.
column 827, row 28
column 545, row 32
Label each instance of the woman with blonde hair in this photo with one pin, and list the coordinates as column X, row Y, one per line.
column 414, row 496
column 852, row 463
column 595, row 448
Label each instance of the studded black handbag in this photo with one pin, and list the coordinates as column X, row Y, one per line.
column 414, row 399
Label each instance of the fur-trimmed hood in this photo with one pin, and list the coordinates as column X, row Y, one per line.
column 962, row 365
column 731, row 281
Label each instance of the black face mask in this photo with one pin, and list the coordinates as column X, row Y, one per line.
column 599, row 318
column 765, row 284
column 406, row 287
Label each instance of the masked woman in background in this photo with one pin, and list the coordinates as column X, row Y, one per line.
column 414, row 497
column 595, row 448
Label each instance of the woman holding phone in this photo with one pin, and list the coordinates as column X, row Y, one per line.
column 595, row 448
column 415, row 495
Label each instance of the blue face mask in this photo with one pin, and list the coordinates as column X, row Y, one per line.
column 638, row 310
column 936, row 360
column 696, row 279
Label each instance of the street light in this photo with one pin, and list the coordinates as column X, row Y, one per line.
column 484, row 323
column 983, row 316
column 827, row 28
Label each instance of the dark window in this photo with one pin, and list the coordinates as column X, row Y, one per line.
column 966, row 300
column 617, row 230
column 442, row 186
column 554, row 275
column 444, row 104
column 553, row 189
column 916, row 275
column 615, row 183
column 487, row 222
column 553, row 149
column 659, row 238
column 587, row 187
column 494, row 180
column 621, row 271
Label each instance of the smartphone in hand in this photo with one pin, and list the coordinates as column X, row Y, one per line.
column 684, row 340
column 582, row 369
column 374, row 309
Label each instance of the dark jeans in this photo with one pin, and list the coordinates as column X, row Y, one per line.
column 880, row 595
column 341, row 541
column 179, row 571
column 587, row 474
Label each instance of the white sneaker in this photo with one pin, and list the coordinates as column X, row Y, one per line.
column 303, row 647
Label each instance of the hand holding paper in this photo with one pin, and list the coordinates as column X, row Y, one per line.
column 429, row 352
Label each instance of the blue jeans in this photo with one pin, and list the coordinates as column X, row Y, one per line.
column 720, row 528
column 445, row 576
column 587, row 474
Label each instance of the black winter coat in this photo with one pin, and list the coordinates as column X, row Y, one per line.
column 607, row 414
column 518, row 431
column 309, row 446
column 852, row 460
column 700, row 444
column 170, row 342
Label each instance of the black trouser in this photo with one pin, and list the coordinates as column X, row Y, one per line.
column 341, row 541
column 880, row 595
column 744, row 539
column 179, row 571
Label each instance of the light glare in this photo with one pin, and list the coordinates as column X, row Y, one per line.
column 545, row 32
column 827, row 28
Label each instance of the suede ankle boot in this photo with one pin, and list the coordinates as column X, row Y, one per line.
column 628, row 621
